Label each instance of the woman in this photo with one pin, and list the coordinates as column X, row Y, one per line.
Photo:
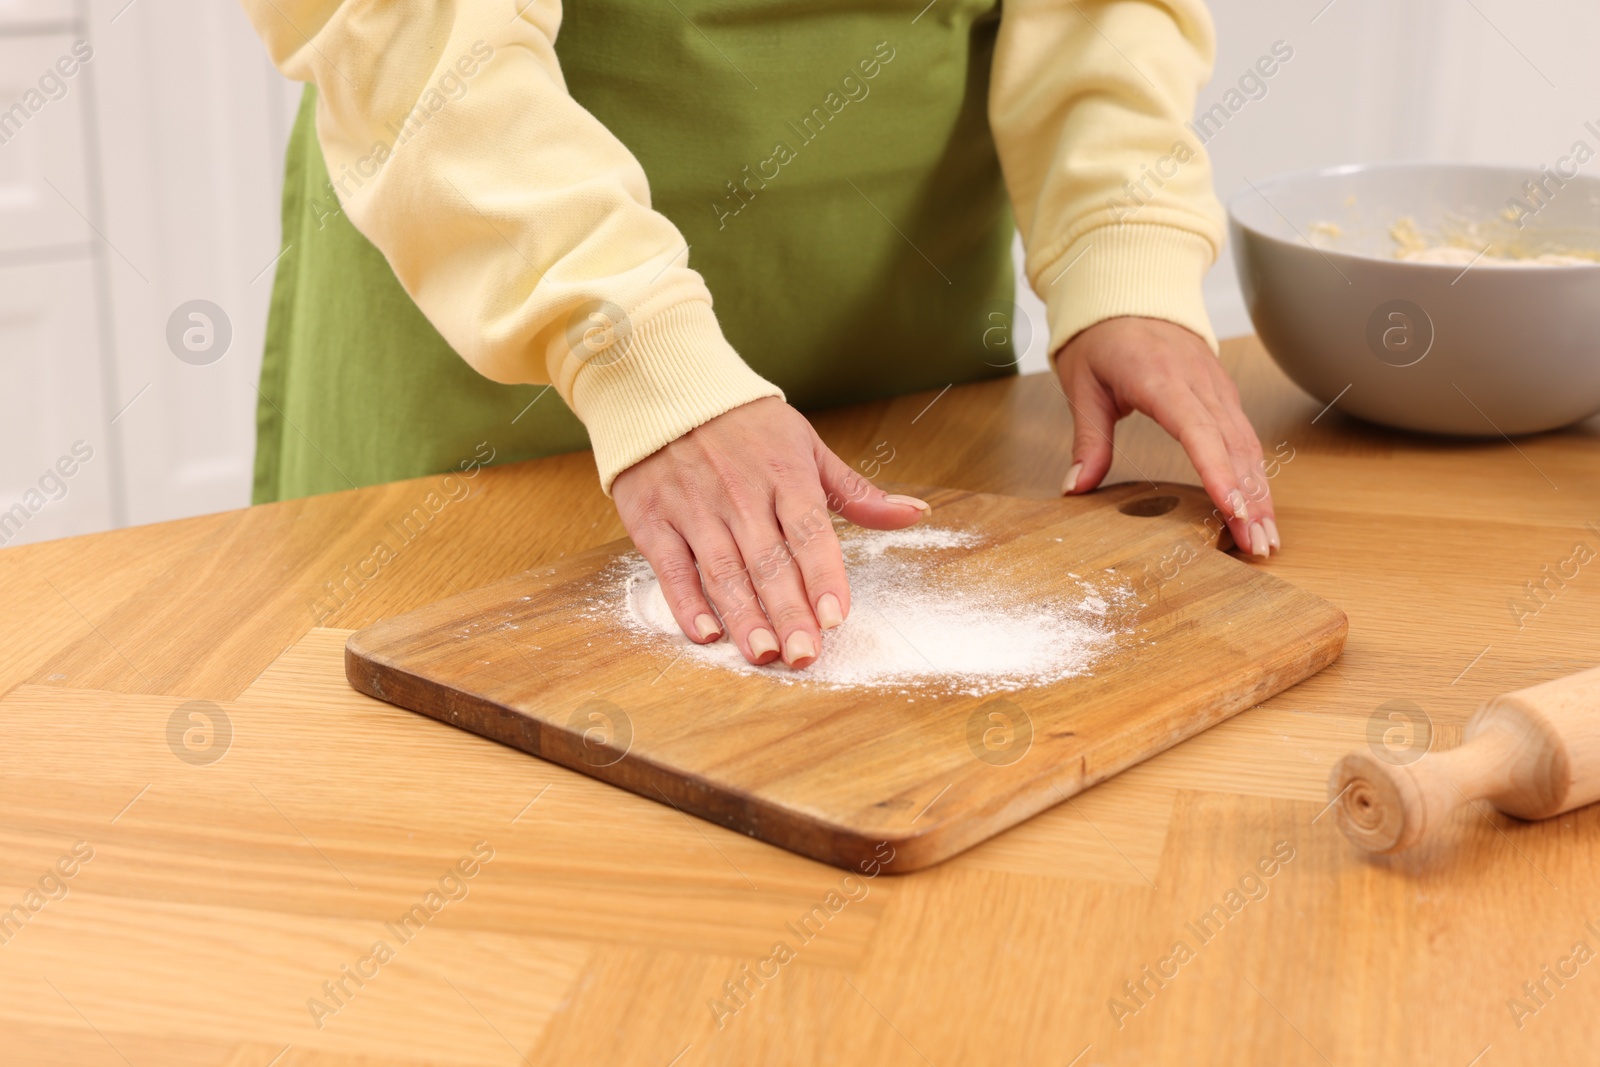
column 475, row 205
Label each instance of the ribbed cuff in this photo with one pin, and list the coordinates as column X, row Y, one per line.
column 676, row 373
column 1132, row 269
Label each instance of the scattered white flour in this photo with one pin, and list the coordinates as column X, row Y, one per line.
column 908, row 625
column 873, row 544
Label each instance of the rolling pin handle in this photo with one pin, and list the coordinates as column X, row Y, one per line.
column 1533, row 754
column 1384, row 807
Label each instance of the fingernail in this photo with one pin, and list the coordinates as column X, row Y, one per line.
column 706, row 626
column 828, row 613
column 1272, row 533
column 1071, row 482
column 1258, row 540
column 801, row 649
column 909, row 501
column 1236, row 502
column 762, row 642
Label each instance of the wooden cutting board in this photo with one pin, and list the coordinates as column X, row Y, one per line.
column 860, row 778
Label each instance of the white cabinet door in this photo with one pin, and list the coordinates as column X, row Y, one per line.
column 23, row 13
column 43, row 193
column 56, row 456
column 191, row 162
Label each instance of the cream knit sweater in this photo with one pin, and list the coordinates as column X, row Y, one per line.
column 524, row 207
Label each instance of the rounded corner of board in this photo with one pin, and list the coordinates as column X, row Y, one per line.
column 359, row 668
column 870, row 855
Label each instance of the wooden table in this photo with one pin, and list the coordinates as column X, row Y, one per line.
column 234, row 862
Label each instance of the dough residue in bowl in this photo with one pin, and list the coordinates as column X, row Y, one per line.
column 1466, row 245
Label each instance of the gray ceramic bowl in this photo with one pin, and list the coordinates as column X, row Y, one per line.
column 1443, row 348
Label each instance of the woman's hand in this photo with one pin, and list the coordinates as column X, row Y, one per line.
column 734, row 519
column 1132, row 364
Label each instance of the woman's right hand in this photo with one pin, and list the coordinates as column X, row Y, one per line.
column 735, row 519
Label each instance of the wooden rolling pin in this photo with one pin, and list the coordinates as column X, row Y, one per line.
column 1533, row 753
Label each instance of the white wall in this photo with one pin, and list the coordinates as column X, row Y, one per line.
column 1379, row 80
column 154, row 181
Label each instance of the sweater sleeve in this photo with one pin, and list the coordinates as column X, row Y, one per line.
column 518, row 223
column 1089, row 102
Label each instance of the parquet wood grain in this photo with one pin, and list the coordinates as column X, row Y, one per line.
column 606, row 925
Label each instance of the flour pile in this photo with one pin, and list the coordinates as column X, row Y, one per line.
column 907, row 629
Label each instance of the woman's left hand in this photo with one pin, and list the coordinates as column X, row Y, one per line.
column 1130, row 364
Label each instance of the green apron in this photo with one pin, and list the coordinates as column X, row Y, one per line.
column 867, row 257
